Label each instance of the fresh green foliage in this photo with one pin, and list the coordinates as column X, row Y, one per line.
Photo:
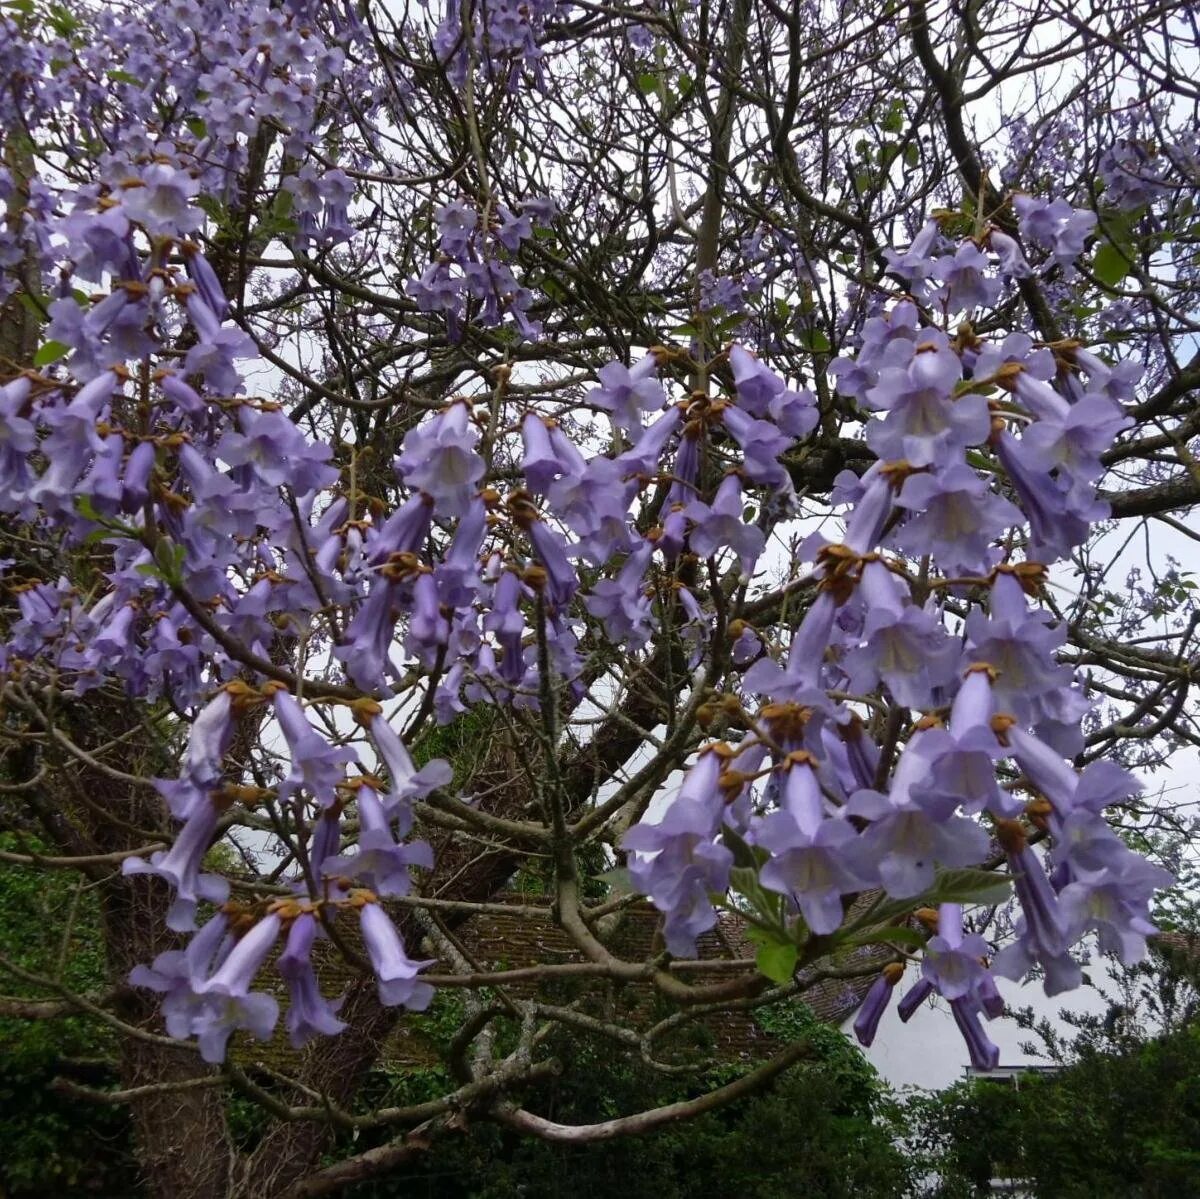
column 52, row 1144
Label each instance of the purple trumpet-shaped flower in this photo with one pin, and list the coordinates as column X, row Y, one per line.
column 180, row 867
column 915, row 264
column 204, row 279
column 396, row 971
column 687, row 465
column 678, row 862
column 648, row 448
column 505, row 619
column 561, row 580
column 547, row 457
column 1115, row 382
column 403, row 532
column 914, row 997
column 316, row 765
column 984, row 1053
column 71, row 441
column 904, row 646
column 1072, row 439
column 866, row 1023
column 886, row 341
column 439, row 458
column 160, row 200
column 761, row 443
column 381, row 863
column 310, row 1014
column 428, row 628
column 964, row 284
column 1058, row 520
column 1020, row 646
column 457, row 574
column 1012, row 262
column 369, row 636
column 594, row 505
column 625, row 393
column 720, row 525
column 326, row 838
column 962, row 759
column 799, row 681
column 1055, row 226
column 1042, row 931
column 622, row 604
column 873, row 504
column 228, row 1003
column 955, row 517
column 851, row 753
column 764, row 395
column 953, row 962
column 18, row 439
column 216, row 349
column 1115, row 905
column 178, row 972
column 271, row 445
column 912, row 832
column 813, row 856
column 212, row 731
column 1098, row 785
column 406, row 781
column 925, row 423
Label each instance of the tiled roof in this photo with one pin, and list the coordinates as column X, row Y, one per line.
column 496, row 940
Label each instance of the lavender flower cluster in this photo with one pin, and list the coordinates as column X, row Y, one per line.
column 227, row 526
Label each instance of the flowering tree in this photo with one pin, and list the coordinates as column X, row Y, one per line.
column 732, row 415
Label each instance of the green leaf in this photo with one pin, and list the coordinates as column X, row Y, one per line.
column 617, row 879
column 123, row 77
column 214, row 210
column 816, row 341
column 85, row 507
column 968, row 886
column 647, row 83
column 890, row 934
column 894, row 121
column 169, row 558
column 63, row 21
column 1110, row 266
column 52, row 351
column 777, row 961
column 744, row 856
column 31, row 305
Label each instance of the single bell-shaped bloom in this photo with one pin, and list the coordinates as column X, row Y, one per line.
column 626, row 392
column 228, row 1003
column 406, row 781
column 380, row 863
column 678, row 862
column 720, row 525
column 180, row 867
column 439, row 458
column 814, row 859
column 396, row 971
column 866, row 1023
column 315, row 765
column 310, row 1014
